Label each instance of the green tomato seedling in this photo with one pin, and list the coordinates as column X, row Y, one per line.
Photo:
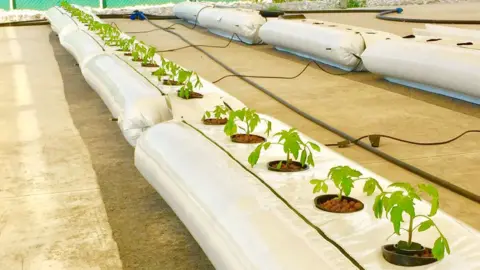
column 293, row 146
column 189, row 81
column 249, row 118
column 220, row 112
column 149, row 55
column 344, row 178
column 400, row 201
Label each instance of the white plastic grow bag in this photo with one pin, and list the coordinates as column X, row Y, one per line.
column 453, row 32
column 130, row 97
column 189, row 11
column 58, row 19
column 446, row 70
column 81, row 45
column 242, row 224
column 243, row 25
column 331, row 43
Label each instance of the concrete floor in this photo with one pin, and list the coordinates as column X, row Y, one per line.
column 51, row 213
column 358, row 104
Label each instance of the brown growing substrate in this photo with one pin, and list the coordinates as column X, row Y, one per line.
column 128, row 54
column 149, row 65
column 247, row 138
column 215, row 121
column 427, row 253
column 171, row 83
column 292, row 166
column 192, row 95
column 138, row 60
column 341, row 206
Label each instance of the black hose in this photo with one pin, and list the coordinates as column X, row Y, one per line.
column 127, row 16
column 454, row 188
column 410, row 142
column 382, row 16
column 210, row 46
column 291, row 77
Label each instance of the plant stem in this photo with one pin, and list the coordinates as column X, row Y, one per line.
column 340, row 194
column 288, row 158
column 410, row 231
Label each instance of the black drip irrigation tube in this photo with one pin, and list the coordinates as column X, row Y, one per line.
column 432, row 178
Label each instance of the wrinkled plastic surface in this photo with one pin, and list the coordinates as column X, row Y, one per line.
column 241, row 224
column 452, row 69
column 331, row 43
column 189, row 11
column 453, row 32
column 125, row 92
column 227, row 22
column 81, row 45
column 58, row 20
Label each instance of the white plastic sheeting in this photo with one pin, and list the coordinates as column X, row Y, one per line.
column 446, row 70
column 81, row 45
column 125, row 92
column 189, row 11
column 58, row 20
column 331, row 43
column 243, row 25
column 241, row 224
column 452, row 32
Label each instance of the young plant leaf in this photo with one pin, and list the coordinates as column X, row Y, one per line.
column 433, row 193
column 255, row 155
column 370, row 186
column 396, row 218
column 377, row 206
column 438, row 250
column 425, row 225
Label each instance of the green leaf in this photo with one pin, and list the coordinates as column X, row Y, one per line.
column 370, row 186
column 438, row 250
column 314, row 146
column 447, row 246
column 377, row 206
column 310, row 160
column 269, row 128
column 425, row 225
column 433, row 193
column 230, row 127
column 303, row 158
column 255, row 155
column 405, row 186
column 266, row 145
column 406, row 203
column 347, row 185
column 396, row 218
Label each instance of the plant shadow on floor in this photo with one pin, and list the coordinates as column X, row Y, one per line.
column 148, row 233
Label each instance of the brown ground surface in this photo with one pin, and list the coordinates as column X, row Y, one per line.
column 147, row 232
column 358, row 104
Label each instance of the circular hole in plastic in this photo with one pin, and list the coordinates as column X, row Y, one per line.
column 371, row 33
column 332, row 25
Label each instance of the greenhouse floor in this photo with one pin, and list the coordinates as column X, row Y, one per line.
column 71, row 197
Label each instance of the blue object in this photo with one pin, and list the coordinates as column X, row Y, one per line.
column 399, row 10
column 137, row 15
